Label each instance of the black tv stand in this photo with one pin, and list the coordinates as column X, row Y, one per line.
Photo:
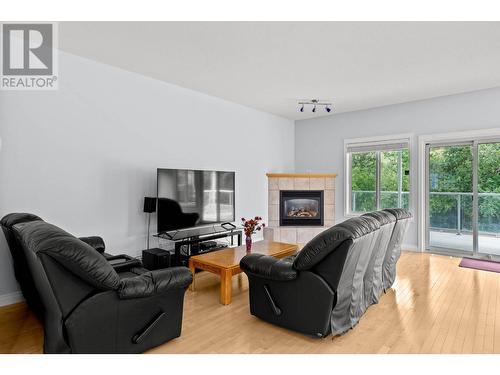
column 184, row 239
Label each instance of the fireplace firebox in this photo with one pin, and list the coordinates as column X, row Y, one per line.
column 301, row 207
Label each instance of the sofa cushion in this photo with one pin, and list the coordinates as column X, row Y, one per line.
column 383, row 217
column 78, row 257
column 327, row 241
column 360, row 226
column 400, row 213
column 12, row 219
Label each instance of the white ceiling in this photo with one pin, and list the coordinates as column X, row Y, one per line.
column 272, row 65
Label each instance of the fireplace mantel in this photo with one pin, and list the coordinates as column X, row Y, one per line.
column 299, row 181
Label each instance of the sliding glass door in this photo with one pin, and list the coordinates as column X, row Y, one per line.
column 488, row 191
column 449, row 197
column 463, row 198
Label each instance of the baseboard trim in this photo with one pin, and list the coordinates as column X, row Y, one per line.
column 11, row 298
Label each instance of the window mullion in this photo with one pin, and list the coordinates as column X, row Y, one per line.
column 377, row 187
column 400, row 179
column 351, row 204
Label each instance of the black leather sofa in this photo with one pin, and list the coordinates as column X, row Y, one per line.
column 329, row 284
column 86, row 306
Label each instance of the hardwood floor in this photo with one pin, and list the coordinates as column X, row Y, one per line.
column 433, row 307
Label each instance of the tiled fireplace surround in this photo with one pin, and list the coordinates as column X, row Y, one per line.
column 299, row 181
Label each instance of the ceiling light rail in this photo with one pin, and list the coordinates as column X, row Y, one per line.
column 314, row 103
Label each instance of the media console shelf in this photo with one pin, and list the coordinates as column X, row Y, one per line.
column 184, row 239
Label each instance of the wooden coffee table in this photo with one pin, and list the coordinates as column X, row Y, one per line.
column 226, row 263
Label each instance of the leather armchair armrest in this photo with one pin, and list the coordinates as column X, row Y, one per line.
column 95, row 241
column 155, row 282
column 123, row 262
column 269, row 267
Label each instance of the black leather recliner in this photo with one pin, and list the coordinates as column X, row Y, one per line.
column 327, row 287
column 21, row 270
column 85, row 305
column 125, row 265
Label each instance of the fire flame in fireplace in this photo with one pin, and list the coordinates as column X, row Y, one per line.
column 302, row 212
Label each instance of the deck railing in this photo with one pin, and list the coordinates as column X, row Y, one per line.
column 449, row 211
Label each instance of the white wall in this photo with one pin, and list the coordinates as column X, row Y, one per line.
column 319, row 143
column 84, row 156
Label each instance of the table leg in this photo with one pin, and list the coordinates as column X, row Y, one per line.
column 192, row 268
column 225, row 287
column 240, row 280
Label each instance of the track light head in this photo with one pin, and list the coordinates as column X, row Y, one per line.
column 302, row 108
column 328, row 109
column 314, row 109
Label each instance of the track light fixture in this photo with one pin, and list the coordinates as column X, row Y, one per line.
column 314, row 103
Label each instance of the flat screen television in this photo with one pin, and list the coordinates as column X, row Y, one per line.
column 189, row 198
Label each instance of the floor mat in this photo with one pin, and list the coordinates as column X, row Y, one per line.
column 479, row 264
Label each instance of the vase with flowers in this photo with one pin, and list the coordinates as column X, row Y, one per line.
column 251, row 226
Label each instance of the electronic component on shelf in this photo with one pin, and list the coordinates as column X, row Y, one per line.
column 228, row 226
column 207, row 246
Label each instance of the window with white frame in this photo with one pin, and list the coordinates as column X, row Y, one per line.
column 378, row 175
